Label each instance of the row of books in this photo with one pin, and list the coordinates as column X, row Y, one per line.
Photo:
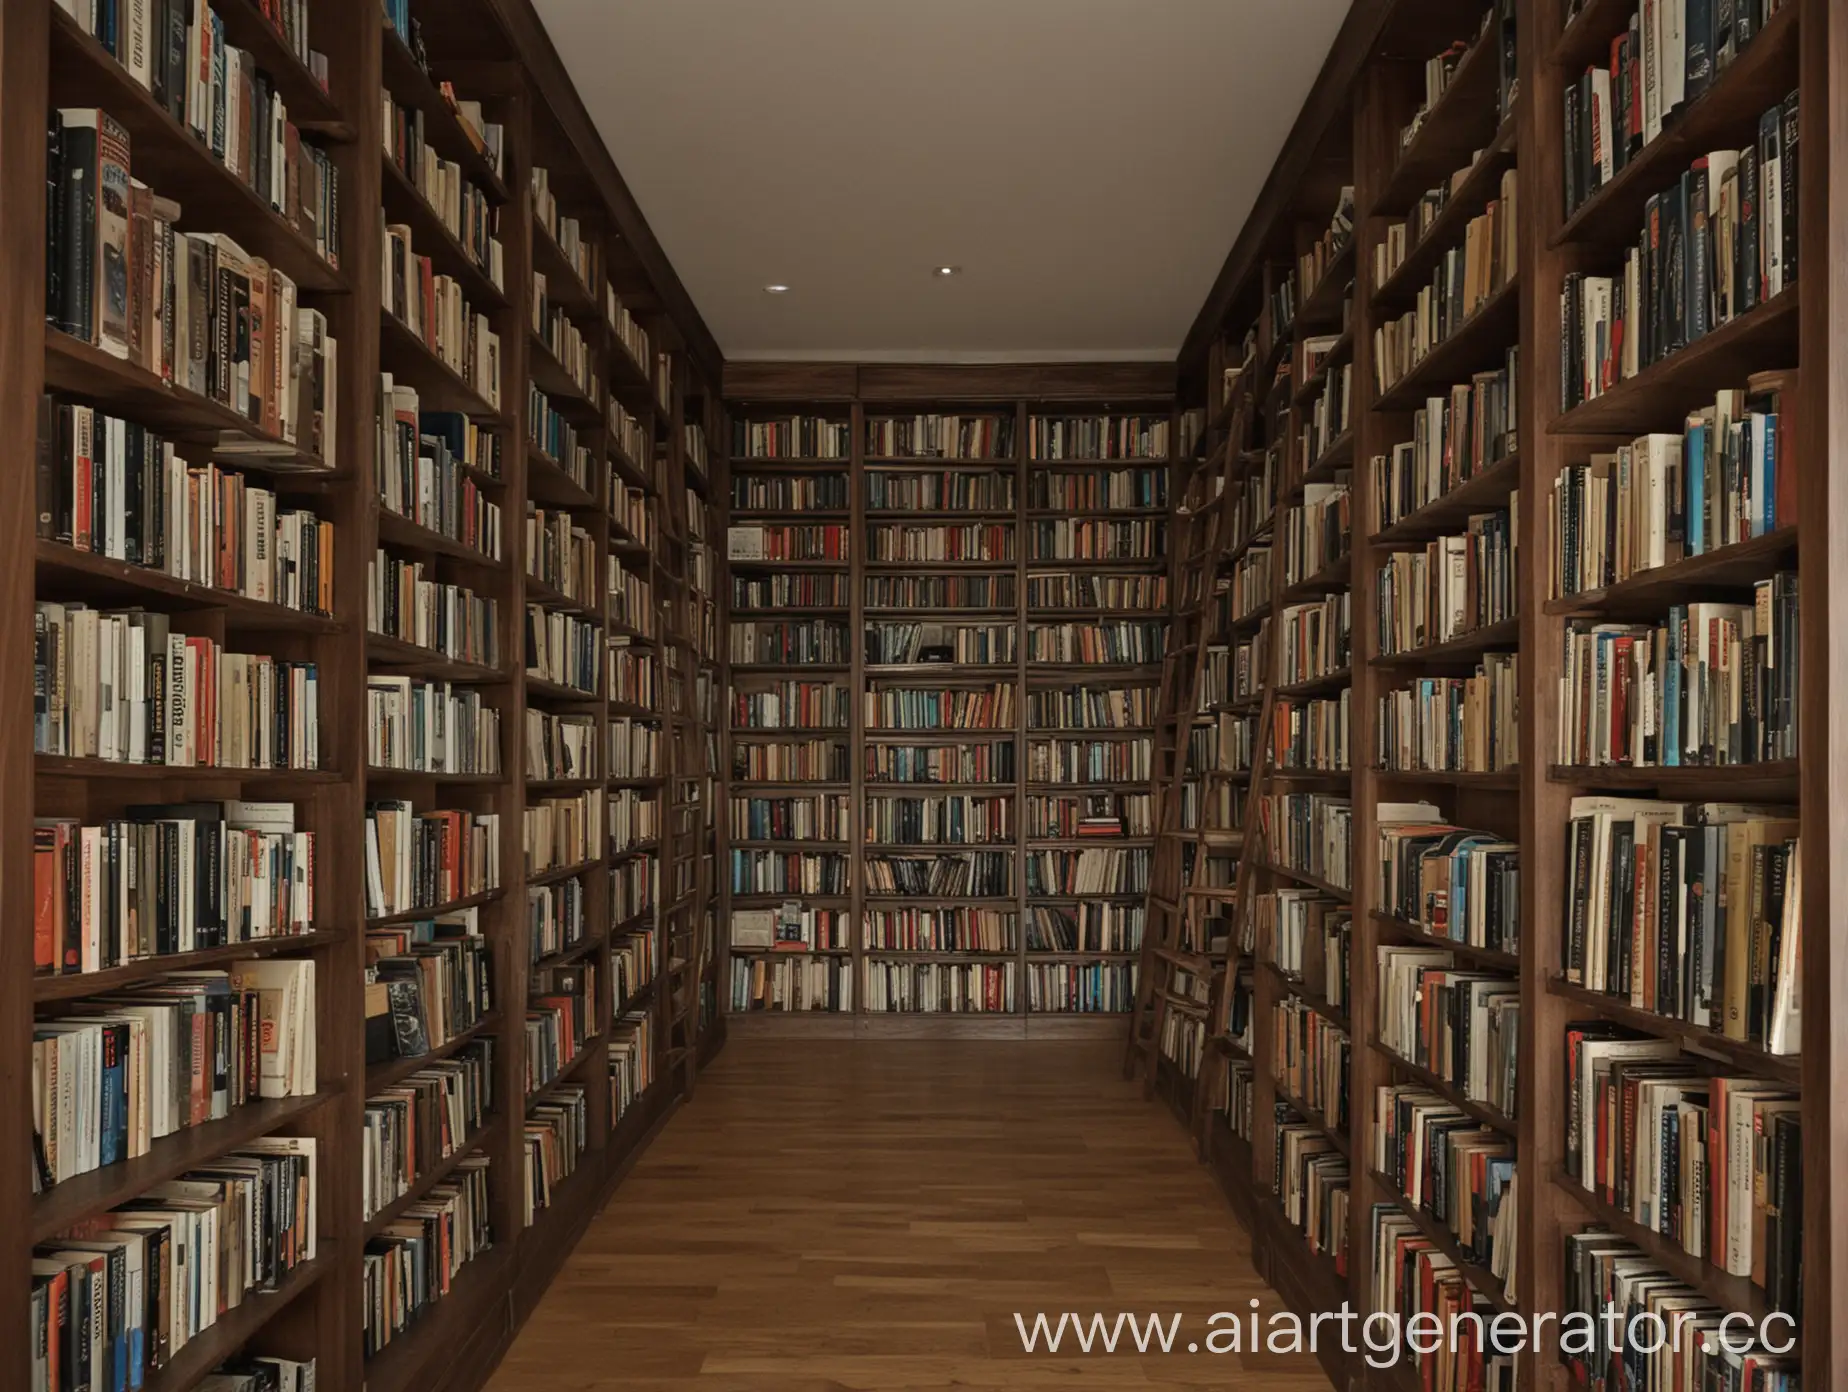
column 1088, row 871
column 755, row 871
column 557, row 1132
column 1112, row 643
column 635, row 819
column 1090, row 926
column 1090, row 708
column 1453, row 1168
column 1692, row 911
column 413, row 1126
column 1079, row 438
column 635, row 962
column 167, row 878
column 111, row 487
column 779, row 643
column 952, row 490
column 414, row 1261
column 563, row 831
column 562, row 556
column 563, row 340
column 461, row 205
column 1452, row 724
column 563, row 649
column 425, row 860
column 1455, row 585
column 1313, row 1182
column 632, row 676
column 1095, row 539
column 1090, row 490
column 785, row 589
column 1309, row 1058
column 1090, row 815
column 561, row 1018
column 1243, row 594
column 963, row 875
column 127, row 687
column 1081, row 988
column 964, row 542
column 560, row 747
column 791, row 493
column 791, row 983
column 1316, row 638
column 805, row 761
column 941, row 930
column 634, row 748
column 1310, row 833
column 1334, row 239
column 961, row 644
column 117, row 1300
column 1725, row 479
column 931, row 988
column 1605, row 1272
column 434, row 308
column 1463, row 281
column 1713, row 246
column 1461, row 1024
column 1091, row 761
column 555, row 435
column 940, row 437
column 1712, row 1163
column 418, row 726
column 1708, row 684
column 792, row 437
column 172, row 1052
column 1312, row 735
column 791, row 705
column 791, row 927
column 422, row 480
column 1328, row 416
column 941, row 763
column 807, row 541
column 901, row 708
column 947, row 820
column 557, row 917
column 1415, row 1279
column 817, row 817
column 404, row 601
column 1455, row 437
column 1311, row 940
column 427, row 981
column 1319, row 531
column 941, row 592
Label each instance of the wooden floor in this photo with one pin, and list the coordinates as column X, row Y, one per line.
column 827, row 1216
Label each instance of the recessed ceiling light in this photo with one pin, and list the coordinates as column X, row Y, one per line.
column 776, row 289
column 946, row 271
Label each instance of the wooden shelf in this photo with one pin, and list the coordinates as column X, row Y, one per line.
column 408, row 659
column 1479, row 1111
column 189, row 775
column 1664, row 392
column 1465, row 648
column 238, row 1326
column 1505, row 780
column 1303, row 877
column 86, row 1195
column 475, row 1144
column 1321, row 304
column 444, row 1324
column 64, row 986
column 436, row 910
column 1336, row 1135
column 380, row 1076
column 414, row 363
column 1414, row 934
column 1460, row 122
column 1318, row 686
column 564, row 287
column 1296, row 986
column 408, row 535
column 65, row 572
column 1772, row 778
column 567, row 395
column 76, row 368
column 1710, row 1043
column 1485, row 491
column 1332, row 579
column 406, row 204
column 1648, row 592
column 1481, row 1280
column 410, row 86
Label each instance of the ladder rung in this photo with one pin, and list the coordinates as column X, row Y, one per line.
column 1213, row 891
column 1161, row 902
column 1188, row 961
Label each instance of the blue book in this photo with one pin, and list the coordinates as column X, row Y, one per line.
column 1766, row 521
column 114, row 1126
column 1694, row 472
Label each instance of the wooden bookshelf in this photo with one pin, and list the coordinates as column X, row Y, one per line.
column 47, row 60
column 848, row 399
column 1365, row 98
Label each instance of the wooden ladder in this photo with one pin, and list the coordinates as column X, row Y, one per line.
column 683, row 928
column 1206, row 519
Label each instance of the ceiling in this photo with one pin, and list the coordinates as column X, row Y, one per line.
column 1086, row 163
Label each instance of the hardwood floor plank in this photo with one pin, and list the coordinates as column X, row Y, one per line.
column 853, row 1217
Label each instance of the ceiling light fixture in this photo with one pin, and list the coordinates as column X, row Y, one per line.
column 776, row 289
column 944, row 272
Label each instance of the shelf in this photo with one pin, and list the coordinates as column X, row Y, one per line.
column 406, row 205
column 1488, row 489
column 79, row 369
column 188, row 775
column 66, row 572
column 479, row 1292
column 1332, row 579
column 1322, row 305
column 1459, row 123
column 1335, row 1134
column 1480, row 186
column 414, row 363
column 563, row 957
column 1479, row 1111
column 1465, row 648
column 550, row 375
column 1729, row 1292
column 1481, row 1280
column 556, row 691
column 1303, row 877
column 1698, row 1039
column 1477, row 344
column 1587, row 39
column 563, row 872
column 87, row 1195
column 1415, row 934
column 407, row 659
column 538, row 592
column 1318, row 686
column 1647, row 592
column 1296, row 986
column 1662, row 394
column 1772, row 778
column 1761, row 76
column 564, row 287
column 394, row 530
column 409, row 85
column 63, row 986
column 1504, row 780
column 175, row 163
column 547, row 481
column 435, row 910
column 1340, row 351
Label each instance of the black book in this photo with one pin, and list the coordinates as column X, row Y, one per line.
column 1699, row 250
column 54, row 221
column 1745, row 23
column 1675, row 268
column 1746, row 278
column 1623, row 85
column 1697, row 32
column 1721, row 43
column 1572, row 160
column 79, row 156
column 1671, row 874
column 1651, row 316
column 1784, row 1261
column 1622, row 907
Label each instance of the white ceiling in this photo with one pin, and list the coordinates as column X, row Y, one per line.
column 1086, row 162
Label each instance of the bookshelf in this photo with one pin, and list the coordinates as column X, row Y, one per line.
column 1459, row 454
column 934, row 519
column 500, row 572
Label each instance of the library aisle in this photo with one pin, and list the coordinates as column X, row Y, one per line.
column 826, row 1215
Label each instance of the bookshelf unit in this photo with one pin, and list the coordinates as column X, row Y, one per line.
column 1507, row 635
column 434, row 137
column 848, row 438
